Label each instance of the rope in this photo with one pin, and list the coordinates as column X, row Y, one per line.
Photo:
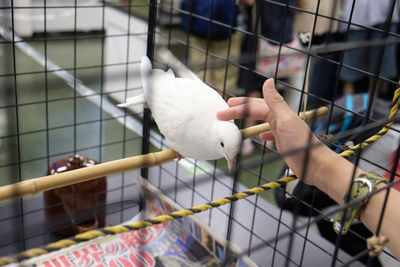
column 382, row 132
column 112, row 230
column 376, row 244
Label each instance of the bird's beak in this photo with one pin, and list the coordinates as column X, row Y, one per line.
column 230, row 163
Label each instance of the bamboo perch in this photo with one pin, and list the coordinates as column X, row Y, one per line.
column 264, row 127
column 45, row 183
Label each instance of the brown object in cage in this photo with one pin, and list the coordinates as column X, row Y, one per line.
column 75, row 208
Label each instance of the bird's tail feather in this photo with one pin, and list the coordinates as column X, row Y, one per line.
column 145, row 70
column 135, row 100
column 170, row 72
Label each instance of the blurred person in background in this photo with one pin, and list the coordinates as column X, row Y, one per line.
column 275, row 24
column 211, row 42
column 370, row 13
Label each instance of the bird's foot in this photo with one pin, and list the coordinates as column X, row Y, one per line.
column 178, row 156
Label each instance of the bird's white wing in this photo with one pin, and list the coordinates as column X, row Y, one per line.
column 170, row 106
column 184, row 111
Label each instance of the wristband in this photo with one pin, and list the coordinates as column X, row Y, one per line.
column 364, row 184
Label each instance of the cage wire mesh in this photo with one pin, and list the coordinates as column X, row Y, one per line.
column 66, row 64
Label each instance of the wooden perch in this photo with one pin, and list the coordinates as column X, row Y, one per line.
column 45, row 183
column 264, row 127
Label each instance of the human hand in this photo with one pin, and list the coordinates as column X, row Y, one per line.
column 291, row 134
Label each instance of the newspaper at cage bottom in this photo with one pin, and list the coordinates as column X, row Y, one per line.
column 184, row 242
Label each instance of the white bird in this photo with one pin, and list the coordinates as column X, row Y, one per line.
column 185, row 111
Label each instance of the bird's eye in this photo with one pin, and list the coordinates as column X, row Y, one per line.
column 222, row 144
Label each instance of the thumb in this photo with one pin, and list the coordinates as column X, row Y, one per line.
column 273, row 99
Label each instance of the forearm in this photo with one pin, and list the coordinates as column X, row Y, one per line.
column 314, row 164
column 333, row 175
column 324, row 168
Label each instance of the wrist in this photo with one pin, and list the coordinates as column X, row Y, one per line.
column 332, row 173
column 362, row 187
column 322, row 163
column 374, row 198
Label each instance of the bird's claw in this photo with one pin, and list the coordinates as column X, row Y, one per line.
column 178, row 156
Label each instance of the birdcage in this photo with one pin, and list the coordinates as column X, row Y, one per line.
column 84, row 182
